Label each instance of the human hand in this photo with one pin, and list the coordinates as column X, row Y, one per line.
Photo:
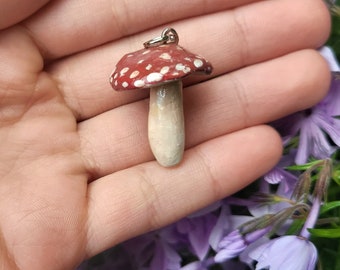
column 77, row 174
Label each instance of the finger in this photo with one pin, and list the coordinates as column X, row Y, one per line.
column 147, row 196
column 248, row 35
column 102, row 21
column 16, row 10
column 19, row 68
column 117, row 139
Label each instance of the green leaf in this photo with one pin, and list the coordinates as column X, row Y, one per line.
column 336, row 176
column 334, row 40
column 328, row 251
column 326, row 233
column 295, row 227
column 302, row 167
column 329, row 206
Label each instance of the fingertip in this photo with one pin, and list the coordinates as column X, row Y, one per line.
column 322, row 73
column 316, row 86
column 273, row 138
column 324, row 23
column 252, row 152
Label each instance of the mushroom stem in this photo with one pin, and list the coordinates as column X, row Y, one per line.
column 166, row 123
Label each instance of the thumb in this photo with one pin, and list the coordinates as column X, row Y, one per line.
column 15, row 11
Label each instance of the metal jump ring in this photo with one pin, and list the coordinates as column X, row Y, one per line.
column 169, row 35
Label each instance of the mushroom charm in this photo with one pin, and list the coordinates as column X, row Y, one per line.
column 161, row 66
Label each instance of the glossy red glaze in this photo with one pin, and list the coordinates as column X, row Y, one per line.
column 156, row 65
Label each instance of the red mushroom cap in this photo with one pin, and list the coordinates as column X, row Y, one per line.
column 156, row 65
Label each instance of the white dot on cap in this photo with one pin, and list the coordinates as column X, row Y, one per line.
column 186, row 69
column 148, row 67
column 198, row 63
column 123, row 71
column 125, row 84
column 164, row 70
column 179, row 67
column 139, row 83
column 154, row 77
column 134, row 74
column 165, row 56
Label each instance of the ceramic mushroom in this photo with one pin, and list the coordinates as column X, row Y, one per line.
column 161, row 66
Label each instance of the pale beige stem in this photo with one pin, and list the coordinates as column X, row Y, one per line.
column 166, row 123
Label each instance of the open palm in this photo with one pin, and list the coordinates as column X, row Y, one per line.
column 76, row 172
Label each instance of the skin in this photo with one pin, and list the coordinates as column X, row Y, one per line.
column 76, row 172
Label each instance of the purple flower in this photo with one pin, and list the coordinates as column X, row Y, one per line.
column 267, row 202
column 331, row 103
column 226, row 223
column 275, row 175
column 235, row 243
column 230, row 246
column 197, row 230
column 313, row 125
column 278, row 173
column 329, row 56
column 153, row 251
column 286, row 252
column 165, row 257
column 313, row 141
column 199, row 265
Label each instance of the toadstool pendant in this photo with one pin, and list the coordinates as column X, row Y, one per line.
column 161, row 65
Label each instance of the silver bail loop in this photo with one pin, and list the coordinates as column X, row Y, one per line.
column 169, row 35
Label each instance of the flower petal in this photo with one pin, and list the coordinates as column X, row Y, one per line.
column 331, row 126
column 329, row 55
column 286, row 252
